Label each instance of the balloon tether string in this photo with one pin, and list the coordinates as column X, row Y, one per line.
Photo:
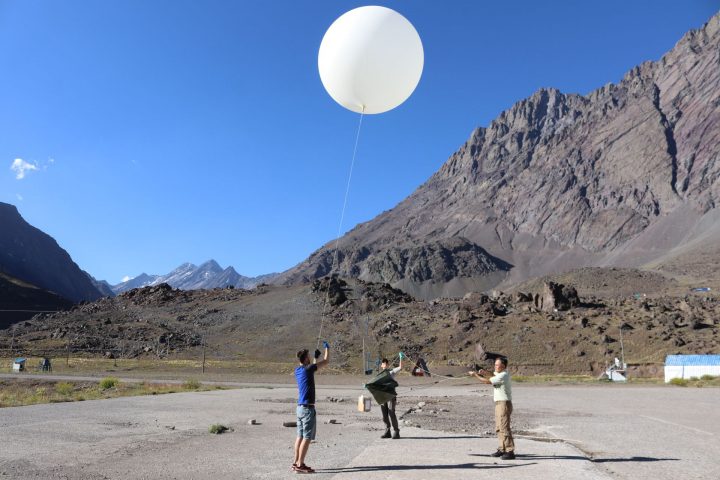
column 342, row 217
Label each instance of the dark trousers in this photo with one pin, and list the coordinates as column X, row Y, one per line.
column 388, row 411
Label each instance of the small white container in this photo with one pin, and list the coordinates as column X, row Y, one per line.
column 364, row 403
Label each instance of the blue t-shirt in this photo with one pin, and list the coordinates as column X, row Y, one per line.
column 305, row 376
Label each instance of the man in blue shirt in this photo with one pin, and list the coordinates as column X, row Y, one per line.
column 306, row 421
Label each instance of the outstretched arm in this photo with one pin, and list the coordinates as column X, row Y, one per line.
column 479, row 376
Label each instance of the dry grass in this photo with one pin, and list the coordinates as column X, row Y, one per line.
column 21, row 392
column 165, row 368
column 704, row 381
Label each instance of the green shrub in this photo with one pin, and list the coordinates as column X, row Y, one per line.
column 64, row 388
column 707, row 377
column 217, row 429
column 680, row 382
column 191, row 384
column 109, row 382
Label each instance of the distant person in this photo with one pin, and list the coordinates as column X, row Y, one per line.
column 502, row 395
column 388, row 408
column 306, row 418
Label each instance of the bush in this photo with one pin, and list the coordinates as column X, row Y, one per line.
column 707, row 377
column 218, row 429
column 109, row 382
column 64, row 388
column 191, row 384
column 680, row 382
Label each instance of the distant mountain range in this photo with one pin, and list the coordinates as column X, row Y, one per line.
column 191, row 277
column 37, row 274
column 627, row 175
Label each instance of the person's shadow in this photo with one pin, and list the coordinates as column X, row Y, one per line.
column 530, row 456
column 395, row 468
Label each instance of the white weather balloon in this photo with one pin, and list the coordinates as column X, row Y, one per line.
column 370, row 59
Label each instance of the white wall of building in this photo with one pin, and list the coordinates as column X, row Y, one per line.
column 690, row 371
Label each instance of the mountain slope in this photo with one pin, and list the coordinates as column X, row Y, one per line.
column 623, row 176
column 31, row 255
column 21, row 301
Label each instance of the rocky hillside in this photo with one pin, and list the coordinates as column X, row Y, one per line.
column 33, row 256
column 626, row 175
column 547, row 328
column 191, row 277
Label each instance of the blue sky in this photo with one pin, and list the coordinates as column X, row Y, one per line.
column 169, row 131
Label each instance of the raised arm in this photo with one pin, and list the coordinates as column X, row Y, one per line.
column 326, row 356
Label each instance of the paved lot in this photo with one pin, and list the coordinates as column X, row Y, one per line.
column 588, row 432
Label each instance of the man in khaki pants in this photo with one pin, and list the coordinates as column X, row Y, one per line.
column 502, row 395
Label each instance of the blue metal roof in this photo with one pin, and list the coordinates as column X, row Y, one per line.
column 687, row 360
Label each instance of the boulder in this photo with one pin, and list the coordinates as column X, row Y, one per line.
column 556, row 296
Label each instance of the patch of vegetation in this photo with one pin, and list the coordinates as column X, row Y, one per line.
column 704, row 381
column 64, row 388
column 217, row 429
column 192, row 384
column 20, row 392
column 109, row 382
column 680, row 382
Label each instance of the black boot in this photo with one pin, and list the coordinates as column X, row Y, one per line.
column 386, row 434
column 396, row 434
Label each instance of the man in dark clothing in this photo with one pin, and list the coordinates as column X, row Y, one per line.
column 388, row 408
column 306, row 419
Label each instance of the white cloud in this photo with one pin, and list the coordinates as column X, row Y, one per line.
column 20, row 167
column 19, row 197
column 125, row 278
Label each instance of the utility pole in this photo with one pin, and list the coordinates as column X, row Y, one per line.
column 203, row 361
column 622, row 349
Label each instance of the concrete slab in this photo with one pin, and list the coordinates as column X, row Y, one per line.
column 425, row 454
column 583, row 432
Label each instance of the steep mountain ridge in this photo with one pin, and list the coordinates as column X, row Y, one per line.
column 33, row 256
column 623, row 176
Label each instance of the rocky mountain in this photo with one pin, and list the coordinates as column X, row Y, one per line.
column 547, row 327
column 103, row 286
column 626, row 175
column 33, row 256
column 191, row 277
